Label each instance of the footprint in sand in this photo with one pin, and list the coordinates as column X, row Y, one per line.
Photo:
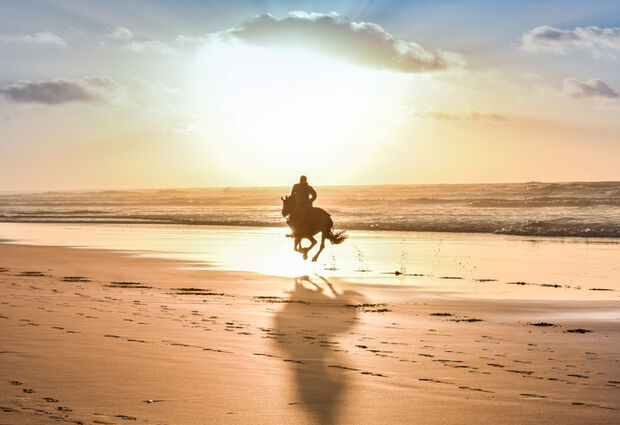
column 464, row 387
column 75, row 279
column 578, row 331
column 466, row 319
column 126, row 417
column 575, row 375
column 522, row 372
column 578, row 403
column 31, row 274
column 532, row 395
column 152, row 401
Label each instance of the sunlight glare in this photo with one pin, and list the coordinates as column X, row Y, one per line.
column 282, row 103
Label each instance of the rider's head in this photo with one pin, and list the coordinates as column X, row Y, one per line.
column 303, row 179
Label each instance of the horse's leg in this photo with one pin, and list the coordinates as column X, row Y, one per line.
column 297, row 245
column 321, row 247
column 312, row 243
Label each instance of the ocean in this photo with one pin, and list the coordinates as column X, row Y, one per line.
column 577, row 209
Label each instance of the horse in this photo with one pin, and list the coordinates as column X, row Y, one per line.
column 316, row 220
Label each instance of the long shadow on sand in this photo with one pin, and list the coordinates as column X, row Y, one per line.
column 309, row 326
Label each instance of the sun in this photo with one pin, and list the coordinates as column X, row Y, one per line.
column 274, row 104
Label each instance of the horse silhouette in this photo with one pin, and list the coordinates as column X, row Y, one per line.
column 315, row 220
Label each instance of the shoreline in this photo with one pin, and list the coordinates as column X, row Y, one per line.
column 602, row 236
column 474, row 265
column 109, row 337
column 185, row 269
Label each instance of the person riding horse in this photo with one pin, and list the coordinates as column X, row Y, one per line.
column 306, row 221
column 303, row 195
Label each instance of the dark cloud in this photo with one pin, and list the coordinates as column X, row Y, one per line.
column 560, row 40
column 60, row 90
column 471, row 116
column 363, row 43
column 591, row 88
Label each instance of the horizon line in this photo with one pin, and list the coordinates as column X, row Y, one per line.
column 2, row 192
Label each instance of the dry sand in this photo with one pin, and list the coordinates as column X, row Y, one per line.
column 90, row 336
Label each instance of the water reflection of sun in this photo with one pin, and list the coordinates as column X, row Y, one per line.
column 282, row 260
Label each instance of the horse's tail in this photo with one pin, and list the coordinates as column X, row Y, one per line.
column 337, row 237
column 334, row 237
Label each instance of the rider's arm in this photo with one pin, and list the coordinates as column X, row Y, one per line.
column 293, row 190
column 312, row 194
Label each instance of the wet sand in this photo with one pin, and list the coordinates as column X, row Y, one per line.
column 93, row 336
column 467, row 265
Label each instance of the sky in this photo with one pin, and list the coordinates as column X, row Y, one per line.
column 189, row 93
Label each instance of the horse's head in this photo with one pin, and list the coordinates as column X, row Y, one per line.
column 287, row 205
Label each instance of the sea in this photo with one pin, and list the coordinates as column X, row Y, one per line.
column 590, row 209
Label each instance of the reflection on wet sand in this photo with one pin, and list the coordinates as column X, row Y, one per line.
column 307, row 327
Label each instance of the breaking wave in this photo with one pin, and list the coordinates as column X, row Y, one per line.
column 536, row 209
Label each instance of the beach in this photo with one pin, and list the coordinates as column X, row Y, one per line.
column 291, row 213
column 129, row 336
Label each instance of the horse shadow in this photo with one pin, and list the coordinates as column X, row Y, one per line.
column 308, row 328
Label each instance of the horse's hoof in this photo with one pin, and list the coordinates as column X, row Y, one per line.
column 305, row 257
column 314, row 260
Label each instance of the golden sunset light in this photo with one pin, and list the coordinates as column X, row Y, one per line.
column 309, row 212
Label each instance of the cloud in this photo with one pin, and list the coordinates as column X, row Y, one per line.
column 60, row 90
column 591, row 88
column 470, row 116
column 363, row 43
column 120, row 33
column 192, row 41
column 598, row 40
column 39, row 38
column 124, row 38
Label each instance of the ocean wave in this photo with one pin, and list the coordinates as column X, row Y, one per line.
column 544, row 202
column 534, row 228
column 533, row 209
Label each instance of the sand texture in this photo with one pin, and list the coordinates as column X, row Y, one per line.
column 96, row 337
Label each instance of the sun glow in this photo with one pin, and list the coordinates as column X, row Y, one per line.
column 279, row 104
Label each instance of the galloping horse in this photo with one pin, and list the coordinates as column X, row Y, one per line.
column 316, row 220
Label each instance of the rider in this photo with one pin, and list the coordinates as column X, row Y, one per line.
column 304, row 195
